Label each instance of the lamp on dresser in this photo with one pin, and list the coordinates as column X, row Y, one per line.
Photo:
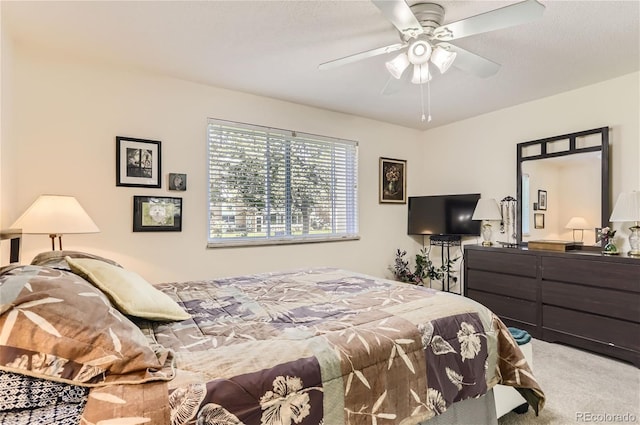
column 577, row 223
column 487, row 210
column 55, row 215
column 627, row 209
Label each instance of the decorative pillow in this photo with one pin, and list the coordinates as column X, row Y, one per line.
column 56, row 259
column 59, row 327
column 129, row 291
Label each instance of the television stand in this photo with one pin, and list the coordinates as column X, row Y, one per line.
column 446, row 242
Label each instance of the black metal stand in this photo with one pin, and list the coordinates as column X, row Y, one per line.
column 445, row 241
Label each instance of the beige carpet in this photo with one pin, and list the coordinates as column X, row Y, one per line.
column 581, row 388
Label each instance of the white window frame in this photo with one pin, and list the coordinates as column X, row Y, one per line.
column 341, row 197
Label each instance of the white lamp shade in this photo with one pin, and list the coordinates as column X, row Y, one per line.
column 397, row 65
column 442, row 58
column 627, row 207
column 577, row 223
column 486, row 209
column 421, row 74
column 55, row 214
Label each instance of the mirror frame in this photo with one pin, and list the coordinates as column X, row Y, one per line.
column 603, row 147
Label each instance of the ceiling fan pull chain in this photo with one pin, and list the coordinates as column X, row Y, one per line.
column 429, row 98
column 422, row 102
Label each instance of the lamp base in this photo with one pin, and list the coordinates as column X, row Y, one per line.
column 486, row 234
column 634, row 241
column 53, row 237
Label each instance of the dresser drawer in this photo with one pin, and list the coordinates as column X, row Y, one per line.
column 594, row 272
column 506, row 307
column 602, row 301
column 504, row 262
column 515, row 286
column 603, row 329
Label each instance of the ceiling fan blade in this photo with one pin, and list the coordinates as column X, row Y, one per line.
column 401, row 16
column 504, row 17
column 392, row 86
column 472, row 63
column 362, row 55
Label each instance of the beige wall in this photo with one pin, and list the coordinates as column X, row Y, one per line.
column 66, row 117
column 479, row 154
column 66, row 114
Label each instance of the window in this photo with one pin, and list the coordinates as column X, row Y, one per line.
column 276, row 186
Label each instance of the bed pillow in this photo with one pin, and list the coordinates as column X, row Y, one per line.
column 129, row 291
column 57, row 326
column 56, row 259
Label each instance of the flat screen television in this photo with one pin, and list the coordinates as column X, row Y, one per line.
column 443, row 215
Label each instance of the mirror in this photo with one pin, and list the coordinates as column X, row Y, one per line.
column 563, row 179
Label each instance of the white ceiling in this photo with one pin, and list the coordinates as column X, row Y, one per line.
column 273, row 48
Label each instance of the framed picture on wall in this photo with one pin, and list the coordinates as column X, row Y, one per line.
column 542, row 200
column 393, row 181
column 177, row 181
column 538, row 221
column 157, row 214
column 138, row 162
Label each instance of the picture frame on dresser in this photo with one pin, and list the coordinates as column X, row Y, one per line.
column 138, row 162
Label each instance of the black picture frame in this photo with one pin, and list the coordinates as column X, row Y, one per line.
column 542, row 200
column 392, row 181
column 157, row 214
column 138, row 162
column 538, row 221
column 177, row 181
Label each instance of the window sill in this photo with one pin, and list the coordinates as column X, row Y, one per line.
column 244, row 243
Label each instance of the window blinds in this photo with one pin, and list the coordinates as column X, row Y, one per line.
column 269, row 185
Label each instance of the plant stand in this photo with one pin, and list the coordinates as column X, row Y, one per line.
column 446, row 242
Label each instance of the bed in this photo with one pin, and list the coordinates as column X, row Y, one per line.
column 83, row 340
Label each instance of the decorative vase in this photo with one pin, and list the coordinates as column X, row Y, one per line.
column 609, row 249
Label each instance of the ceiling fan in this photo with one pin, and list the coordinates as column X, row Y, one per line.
column 426, row 39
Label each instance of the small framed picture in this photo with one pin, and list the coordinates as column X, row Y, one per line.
column 535, row 206
column 177, row 181
column 599, row 238
column 393, row 181
column 542, row 200
column 538, row 221
column 138, row 162
column 157, row 214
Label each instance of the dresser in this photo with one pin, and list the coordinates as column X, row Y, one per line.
column 578, row 298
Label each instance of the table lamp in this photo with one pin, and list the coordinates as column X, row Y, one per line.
column 577, row 223
column 487, row 210
column 627, row 208
column 55, row 215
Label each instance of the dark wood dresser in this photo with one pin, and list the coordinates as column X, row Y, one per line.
column 583, row 299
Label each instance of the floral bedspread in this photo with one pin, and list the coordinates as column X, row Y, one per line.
column 327, row 346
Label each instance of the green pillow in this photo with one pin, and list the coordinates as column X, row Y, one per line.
column 130, row 293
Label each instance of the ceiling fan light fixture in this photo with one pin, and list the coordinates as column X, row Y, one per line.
column 421, row 74
column 397, row 65
column 419, row 52
column 442, row 58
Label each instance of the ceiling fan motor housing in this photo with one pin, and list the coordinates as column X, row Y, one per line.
column 430, row 16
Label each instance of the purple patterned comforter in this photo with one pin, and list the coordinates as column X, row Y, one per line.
column 331, row 347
